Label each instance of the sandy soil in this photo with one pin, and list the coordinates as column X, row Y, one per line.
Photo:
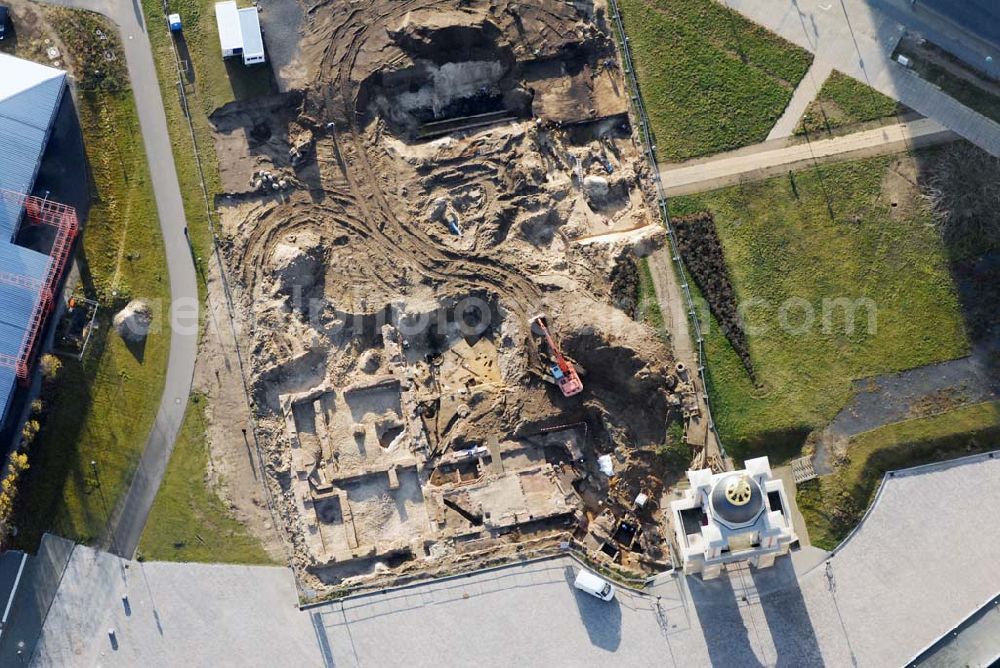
column 441, row 173
column 233, row 466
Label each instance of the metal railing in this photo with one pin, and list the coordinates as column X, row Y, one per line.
column 649, row 147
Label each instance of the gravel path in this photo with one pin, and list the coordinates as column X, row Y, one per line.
column 763, row 161
column 886, row 399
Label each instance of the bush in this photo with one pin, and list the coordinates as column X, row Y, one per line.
column 50, row 366
column 963, row 188
column 702, row 253
column 18, row 463
column 30, row 431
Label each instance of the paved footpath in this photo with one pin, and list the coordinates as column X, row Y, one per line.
column 858, row 39
column 129, row 516
column 762, row 162
column 805, row 93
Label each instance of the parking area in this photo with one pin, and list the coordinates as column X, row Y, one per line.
column 528, row 614
column 879, row 600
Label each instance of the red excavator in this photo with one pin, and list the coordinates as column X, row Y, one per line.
column 565, row 374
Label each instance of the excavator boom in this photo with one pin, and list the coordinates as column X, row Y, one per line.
column 565, row 374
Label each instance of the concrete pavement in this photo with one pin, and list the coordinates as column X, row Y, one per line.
column 129, row 516
column 805, row 92
column 763, row 161
column 921, row 561
column 858, row 39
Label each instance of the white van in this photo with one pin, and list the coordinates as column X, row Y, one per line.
column 593, row 585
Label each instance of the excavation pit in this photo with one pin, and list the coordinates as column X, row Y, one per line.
column 452, row 173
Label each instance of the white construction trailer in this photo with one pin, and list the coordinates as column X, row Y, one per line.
column 253, row 41
column 239, row 32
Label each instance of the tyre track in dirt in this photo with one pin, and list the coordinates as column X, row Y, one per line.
column 432, row 261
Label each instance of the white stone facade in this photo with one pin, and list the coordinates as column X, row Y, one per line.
column 734, row 516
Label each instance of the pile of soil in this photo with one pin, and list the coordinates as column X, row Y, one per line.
column 297, row 262
column 625, row 285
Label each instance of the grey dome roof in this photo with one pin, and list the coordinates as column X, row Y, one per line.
column 733, row 513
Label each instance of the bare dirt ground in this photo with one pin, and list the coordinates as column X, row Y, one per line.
column 233, row 467
column 31, row 36
column 435, row 175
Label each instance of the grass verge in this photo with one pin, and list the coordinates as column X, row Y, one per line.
column 843, row 101
column 189, row 522
column 195, row 16
column 649, row 303
column 833, row 505
column 711, row 80
column 790, row 260
column 101, row 408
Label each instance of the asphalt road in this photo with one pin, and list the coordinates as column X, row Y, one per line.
column 761, row 161
column 129, row 516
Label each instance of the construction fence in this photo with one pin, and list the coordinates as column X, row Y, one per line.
column 649, row 150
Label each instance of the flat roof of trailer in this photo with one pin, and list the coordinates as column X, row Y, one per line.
column 227, row 16
column 253, row 42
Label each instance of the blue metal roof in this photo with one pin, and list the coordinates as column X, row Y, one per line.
column 8, row 380
column 19, row 162
column 29, row 99
column 30, row 95
column 23, row 261
column 17, row 304
column 10, row 344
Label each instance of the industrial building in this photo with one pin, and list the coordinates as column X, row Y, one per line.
column 733, row 516
column 30, row 96
column 239, row 32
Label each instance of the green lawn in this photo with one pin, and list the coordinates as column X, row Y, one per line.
column 711, row 80
column 101, row 409
column 832, row 505
column 845, row 101
column 189, row 522
column 780, row 246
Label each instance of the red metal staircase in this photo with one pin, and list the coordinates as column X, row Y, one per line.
column 63, row 220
